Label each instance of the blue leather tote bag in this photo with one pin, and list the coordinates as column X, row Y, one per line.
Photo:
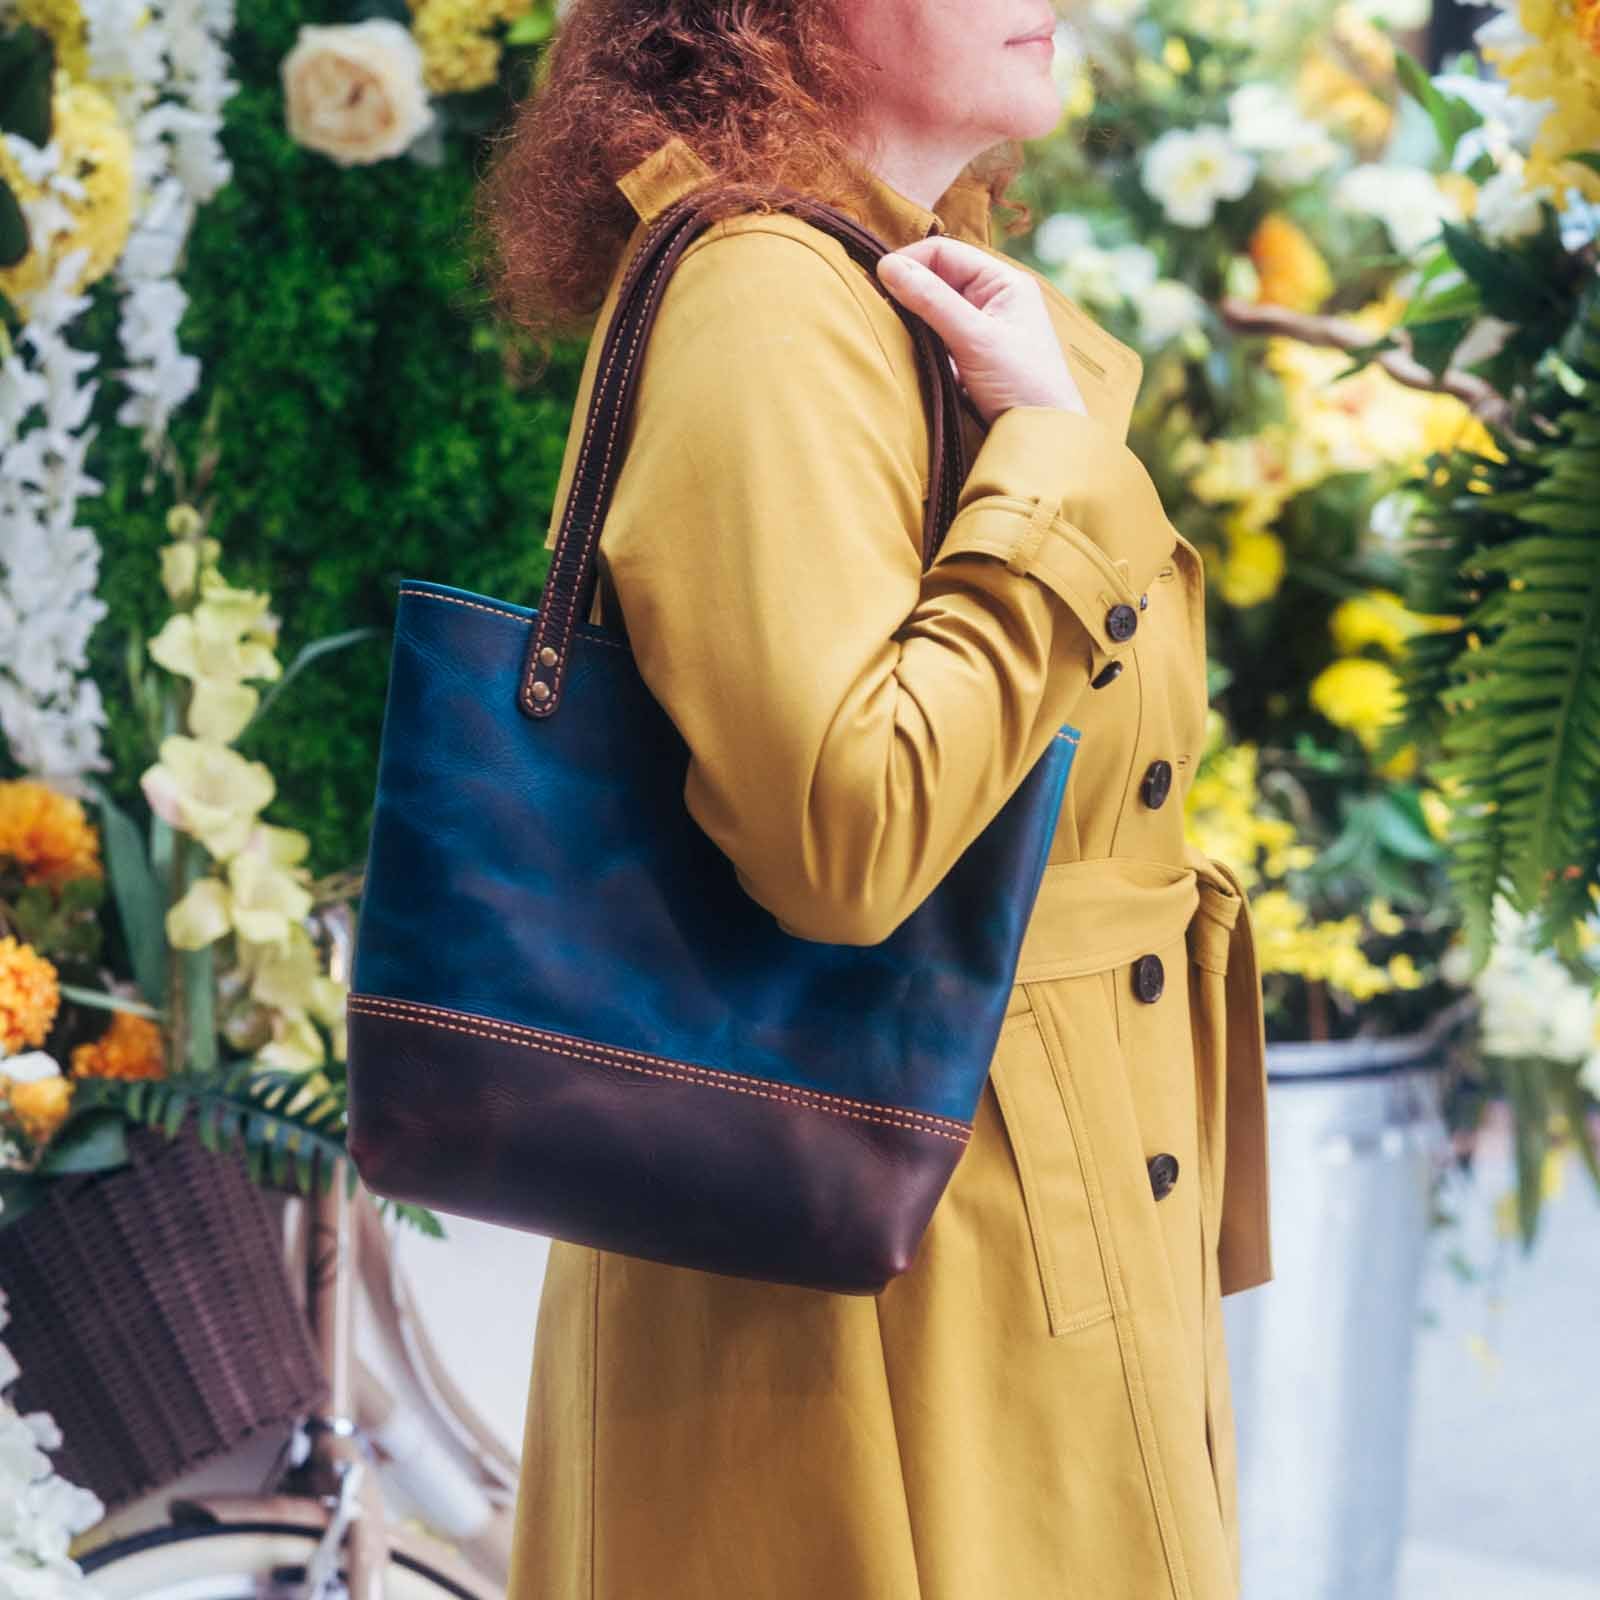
column 566, row 1015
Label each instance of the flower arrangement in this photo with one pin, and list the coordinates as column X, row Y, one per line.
column 97, row 189
column 1229, row 156
column 1369, row 309
column 226, row 993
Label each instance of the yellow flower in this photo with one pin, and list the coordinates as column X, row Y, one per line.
column 97, row 158
column 289, row 976
column 1361, row 695
column 1289, row 266
column 29, row 995
column 64, row 22
column 223, row 640
column 1253, row 567
column 1558, row 62
column 40, row 1105
column 182, row 560
column 295, row 1044
column 267, row 900
column 130, row 1048
column 47, row 833
column 1403, row 972
column 258, row 902
column 201, row 916
column 1436, row 813
column 207, row 790
column 1381, row 915
column 458, row 51
column 1378, row 617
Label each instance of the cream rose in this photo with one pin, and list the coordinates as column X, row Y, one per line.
column 355, row 91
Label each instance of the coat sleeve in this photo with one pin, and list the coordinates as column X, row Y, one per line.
column 853, row 722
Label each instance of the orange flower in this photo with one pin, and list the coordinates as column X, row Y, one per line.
column 129, row 1048
column 1587, row 17
column 1290, row 267
column 29, row 997
column 41, row 1106
column 47, row 832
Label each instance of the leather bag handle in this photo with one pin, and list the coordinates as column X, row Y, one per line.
column 569, row 585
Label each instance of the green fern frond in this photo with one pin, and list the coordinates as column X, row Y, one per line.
column 244, row 1105
column 1511, row 697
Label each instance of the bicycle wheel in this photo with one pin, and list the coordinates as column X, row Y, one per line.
column 240, row 1561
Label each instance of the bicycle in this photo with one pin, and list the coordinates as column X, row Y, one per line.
column 319, row 1527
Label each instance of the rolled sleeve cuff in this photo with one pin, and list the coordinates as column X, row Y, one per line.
column 1059, row 496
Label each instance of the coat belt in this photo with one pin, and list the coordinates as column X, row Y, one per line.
column 1091, row 916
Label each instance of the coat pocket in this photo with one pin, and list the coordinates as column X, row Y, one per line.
column 1046, row 1144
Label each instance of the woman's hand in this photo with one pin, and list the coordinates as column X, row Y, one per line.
column 992, row 317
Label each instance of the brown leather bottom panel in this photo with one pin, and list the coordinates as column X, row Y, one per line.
column 638, row 1154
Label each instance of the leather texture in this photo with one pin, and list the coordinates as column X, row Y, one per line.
column 567, row 1015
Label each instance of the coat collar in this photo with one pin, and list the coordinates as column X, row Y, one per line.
column 963, row 210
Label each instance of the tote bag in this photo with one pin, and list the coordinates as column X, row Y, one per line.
column 567, row 1016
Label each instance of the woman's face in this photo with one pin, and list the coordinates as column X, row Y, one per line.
column 954, row 75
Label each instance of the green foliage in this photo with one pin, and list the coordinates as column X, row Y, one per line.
column 1513, row 548
column 368, row 432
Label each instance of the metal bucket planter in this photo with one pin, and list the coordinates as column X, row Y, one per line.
column 1321, row 1356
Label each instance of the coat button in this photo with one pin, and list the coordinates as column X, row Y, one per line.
column 1149, row 978
column 1121, row 621
column 1163, row 1174
column 1112, row 669
column 1157, row 784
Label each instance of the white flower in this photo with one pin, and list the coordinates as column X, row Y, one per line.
column 1263, row 118
column 1483, row 340
column 1506, row 209
column 354, row 90
column 1061, row 236
column 29, row 1066
column 1189, row 171
column 1407, row 200
column 1106, row 278
column 1168, row 308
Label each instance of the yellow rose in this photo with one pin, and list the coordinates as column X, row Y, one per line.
column 355, row 91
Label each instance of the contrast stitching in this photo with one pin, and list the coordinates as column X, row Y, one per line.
column 450, row 599
column 810, row 1099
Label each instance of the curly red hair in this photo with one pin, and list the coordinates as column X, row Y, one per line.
column 762, row 90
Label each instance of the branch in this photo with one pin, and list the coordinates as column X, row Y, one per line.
column 1246, row 316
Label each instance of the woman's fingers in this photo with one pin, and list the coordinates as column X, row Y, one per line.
column 922, row 288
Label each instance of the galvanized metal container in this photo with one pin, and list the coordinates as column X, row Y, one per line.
column 1321, row 1357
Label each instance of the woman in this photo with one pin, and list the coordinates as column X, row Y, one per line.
column 1040, row 1404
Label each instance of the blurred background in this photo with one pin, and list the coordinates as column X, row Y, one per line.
column 248, row 384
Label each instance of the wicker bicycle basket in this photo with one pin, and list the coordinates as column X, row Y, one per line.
column 152, row 1315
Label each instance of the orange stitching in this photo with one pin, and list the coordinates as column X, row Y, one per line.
column 639, row 1055
column 426, row 594
column 692, row 1075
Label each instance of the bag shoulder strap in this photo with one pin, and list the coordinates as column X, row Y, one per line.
column 569, row 585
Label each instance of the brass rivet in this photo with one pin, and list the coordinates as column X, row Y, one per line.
column 541, row 691
column 547, row 656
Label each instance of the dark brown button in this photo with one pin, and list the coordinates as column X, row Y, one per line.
column 1121, row 621
column 1149, row 978
column 1112, row 669
column 1157, row 784
column 1163, row 1174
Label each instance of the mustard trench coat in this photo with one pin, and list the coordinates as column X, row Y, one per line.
column 1040, row 1405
